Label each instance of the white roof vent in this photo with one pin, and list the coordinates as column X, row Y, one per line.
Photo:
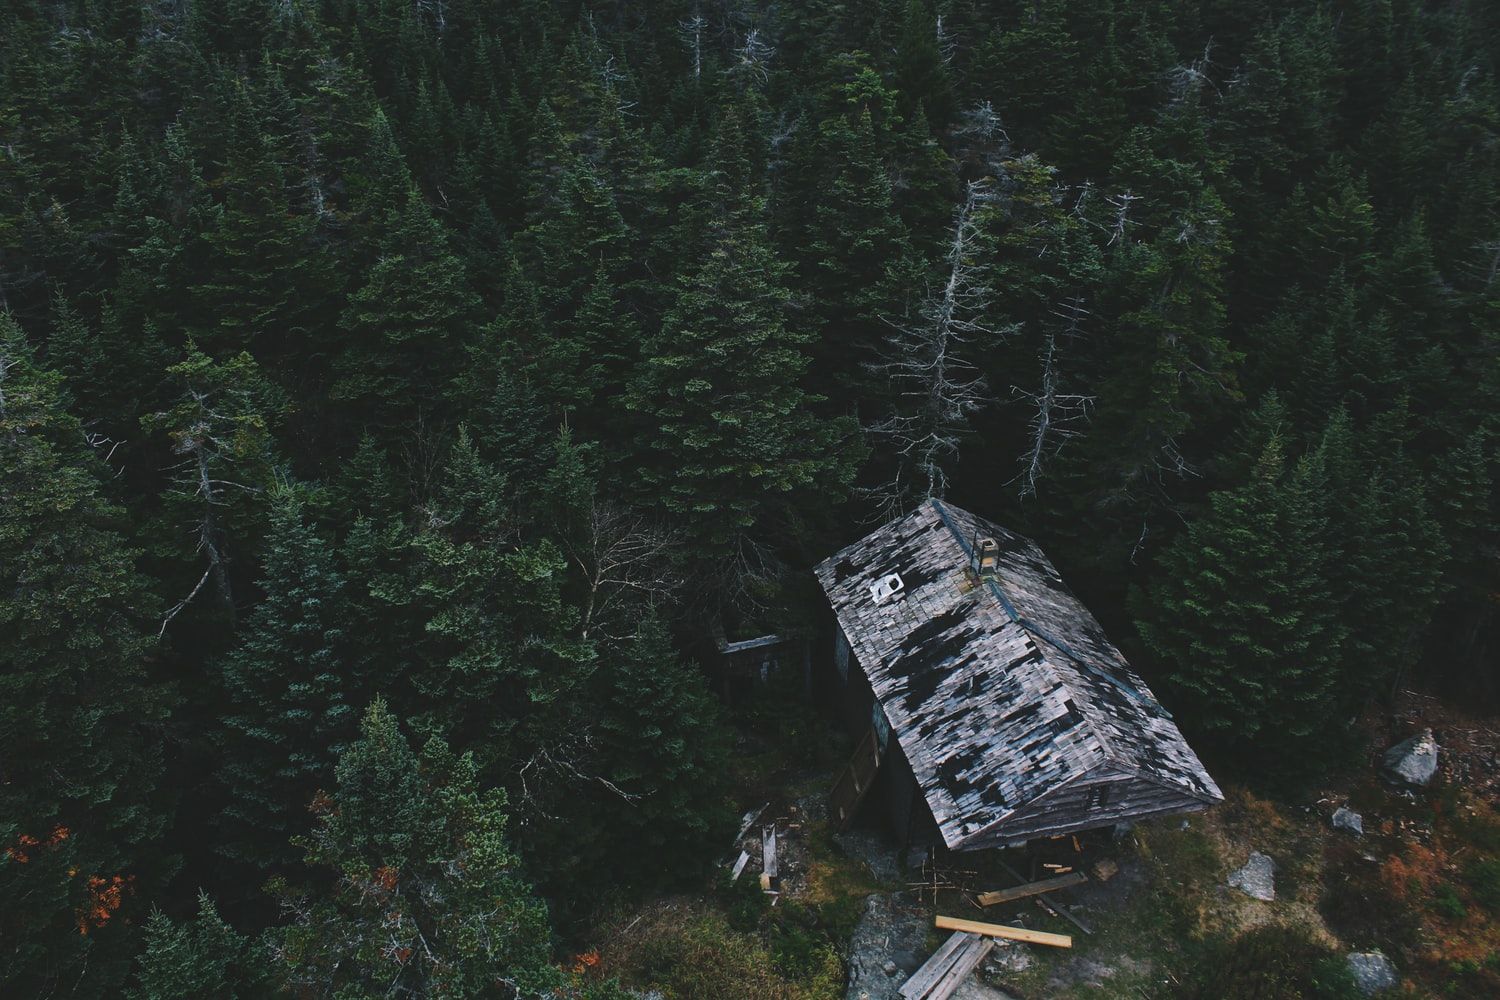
column 886, row 588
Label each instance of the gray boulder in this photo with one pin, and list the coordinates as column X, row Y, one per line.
column 1414, row 761
column 1373, row 972
column 1257, row 879
column 1345, row 818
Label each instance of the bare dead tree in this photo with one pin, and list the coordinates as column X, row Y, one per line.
column 1121, row 203
column 622, row 556
column 947, row 44
column 692, row 29
column 555, row 765
column 200, row 442
column 1054, row 411
column 437, row 11
column 6, row 364
column 752, row 59
column 923, row 358
column 1184, row 80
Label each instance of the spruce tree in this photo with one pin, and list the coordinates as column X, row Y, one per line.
column 1243, row 620
column 424, row 896
column 727, row 440
column 664, row 742
column 291, row 689
column 406, row 326
column 81, row 714
column 196, row 959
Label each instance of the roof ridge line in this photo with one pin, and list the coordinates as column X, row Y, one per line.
column 1035, row 630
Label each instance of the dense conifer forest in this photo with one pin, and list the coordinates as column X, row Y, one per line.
column 391, row 391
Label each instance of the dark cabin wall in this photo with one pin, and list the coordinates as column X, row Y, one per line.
column 1070, row 809
column 894, row 802
column 844, row 692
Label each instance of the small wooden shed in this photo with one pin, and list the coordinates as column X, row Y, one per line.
column 993, row 708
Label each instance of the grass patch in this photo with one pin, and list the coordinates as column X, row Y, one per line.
column 693, row 952
column 1272, row 961
column 1483, row 876
column 1445, row 903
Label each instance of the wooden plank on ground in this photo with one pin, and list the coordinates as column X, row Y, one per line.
column 748, row 820
column 964, row 964
column 940, row 961
column 768, row 850
column 1002, row 931
column 1031, row 889
column 739, row 866
column 854, row 781
column 1056, row 909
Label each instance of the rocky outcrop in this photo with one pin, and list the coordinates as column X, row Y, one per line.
column 1373, row 973
column 1257, row 879
column 1412, row 762
column 1347, row 819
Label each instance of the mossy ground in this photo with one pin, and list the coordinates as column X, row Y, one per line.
column 1422, row 885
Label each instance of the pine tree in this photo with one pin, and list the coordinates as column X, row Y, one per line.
column 424, row 897
column 406, row 326
column 1388, row 556
column 921, row 72
column 728, row 441
column 81, row 813
column 195, row 959
column 856, row 257
column 664, row 742
column 291, row 689
column 1244, row 621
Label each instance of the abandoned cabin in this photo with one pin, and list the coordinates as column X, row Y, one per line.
column 992, row 707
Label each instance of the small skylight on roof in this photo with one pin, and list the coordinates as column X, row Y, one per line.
column 886, row 587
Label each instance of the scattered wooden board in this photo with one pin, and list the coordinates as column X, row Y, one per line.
column 768, row 851
column 748, row 820
column 921, row 981
column 1056, row 909
column 739, row 866
column 1002, row 931
column 1031, row 889
column 941, row 974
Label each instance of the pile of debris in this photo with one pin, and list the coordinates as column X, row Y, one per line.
column 772, row 845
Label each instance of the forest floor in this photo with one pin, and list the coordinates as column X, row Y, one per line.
column 852, row 917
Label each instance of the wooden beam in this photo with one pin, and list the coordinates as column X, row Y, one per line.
column 1056, row 909
column 1032, row 889
column 739, row 866
column 964, row 964
column 949, row 966
column 939, row 962
column 768, row 850
column 1002, row 931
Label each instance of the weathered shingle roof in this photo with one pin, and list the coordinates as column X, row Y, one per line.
column 999, row 690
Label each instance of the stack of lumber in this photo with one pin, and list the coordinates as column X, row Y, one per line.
column 950, row 965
